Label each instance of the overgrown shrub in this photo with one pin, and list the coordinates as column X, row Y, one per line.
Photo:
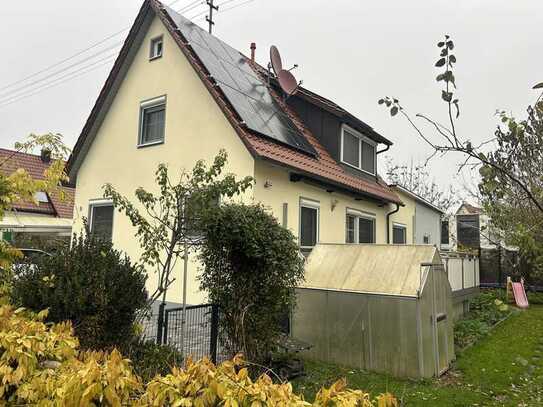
column 150, row 359
column 251, row 267
column 40, row 365
column 485, row 311
column 90, row 284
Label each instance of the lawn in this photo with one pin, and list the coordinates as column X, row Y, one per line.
column 504, row 368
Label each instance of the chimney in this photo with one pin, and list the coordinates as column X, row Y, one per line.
column 253, row 51
column 45, row 155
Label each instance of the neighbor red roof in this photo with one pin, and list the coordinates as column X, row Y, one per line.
column 11, row 160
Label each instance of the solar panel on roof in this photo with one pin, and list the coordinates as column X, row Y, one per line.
column 243, row 88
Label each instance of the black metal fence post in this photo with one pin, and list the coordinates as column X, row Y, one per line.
column 160, row 323
column 214, row 333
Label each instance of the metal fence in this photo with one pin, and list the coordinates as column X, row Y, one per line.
column 198, row 338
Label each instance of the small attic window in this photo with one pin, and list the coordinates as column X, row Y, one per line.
column 156, row 48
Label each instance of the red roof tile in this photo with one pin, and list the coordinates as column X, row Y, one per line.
column 33, row 164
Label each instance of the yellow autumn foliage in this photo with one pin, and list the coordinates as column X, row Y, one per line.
column 40, row 365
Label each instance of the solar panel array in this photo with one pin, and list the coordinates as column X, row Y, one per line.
column 247, row 93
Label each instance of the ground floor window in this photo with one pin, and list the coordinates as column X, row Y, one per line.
column 101, row 219
column 360, row 227
column 399, row 234
column 309, row 224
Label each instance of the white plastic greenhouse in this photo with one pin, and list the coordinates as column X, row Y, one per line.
column 385, row 308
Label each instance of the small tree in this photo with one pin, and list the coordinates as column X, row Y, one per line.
column 251, row 267
column 417, row 179
column 88, row 283
column 168, row 223
column 510, row 162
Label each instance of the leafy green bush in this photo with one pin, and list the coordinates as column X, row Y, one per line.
column 535, row 298
column 88, row 283
column 150, row 359
column 251, row 267
column 485, row 311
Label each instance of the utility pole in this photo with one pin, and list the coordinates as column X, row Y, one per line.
column 209, row 18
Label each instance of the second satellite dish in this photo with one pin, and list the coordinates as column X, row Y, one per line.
column 286, row 79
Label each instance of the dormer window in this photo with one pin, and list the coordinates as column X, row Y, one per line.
column 156, row 48
column 357, row 150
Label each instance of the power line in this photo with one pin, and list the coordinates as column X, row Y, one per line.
column 53, row 84
column 81, row 52
column 237, row 5
column 60, row 70
column 191, row 6
column 63, row 60
column 109, row 57
column 10, row 97
column 220, row 11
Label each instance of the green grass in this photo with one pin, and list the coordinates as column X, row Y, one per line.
column 504, row 368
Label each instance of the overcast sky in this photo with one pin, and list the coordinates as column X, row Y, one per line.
column 351, row 51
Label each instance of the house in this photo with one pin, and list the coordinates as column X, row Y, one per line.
column 472, row 229
column 177, row 94
column 427, row 222
column 33, row 223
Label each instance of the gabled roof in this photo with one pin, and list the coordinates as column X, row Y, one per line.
column 469, row 209
column 417, row 198
column 33, row 164
column 322, row 168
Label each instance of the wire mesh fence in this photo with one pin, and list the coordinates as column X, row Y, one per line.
column 200, row 336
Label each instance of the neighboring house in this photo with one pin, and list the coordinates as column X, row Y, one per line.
column 427, row 218
column 473, row 229
column 177, row 94
column 47, row 218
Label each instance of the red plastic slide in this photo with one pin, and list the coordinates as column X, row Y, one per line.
column 520, row 295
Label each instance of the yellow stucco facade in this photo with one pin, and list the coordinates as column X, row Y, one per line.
column 274, row 189
column 196, row 128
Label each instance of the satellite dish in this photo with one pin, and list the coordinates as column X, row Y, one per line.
column 286, row 79
column 288, row 82
column 275, row 58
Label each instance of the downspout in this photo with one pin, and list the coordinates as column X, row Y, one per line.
column 376, row 154
column 383, row 150
column 388, row 221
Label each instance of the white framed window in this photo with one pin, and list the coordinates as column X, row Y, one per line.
column 157, row 47
column 152, row 121
column 309, row 224
column 101, row 218
column 359, row 227
column 357, row 150
column 399, row 233
column 426, row 239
